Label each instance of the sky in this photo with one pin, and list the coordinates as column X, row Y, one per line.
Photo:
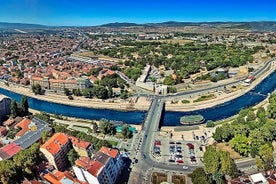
column 97, row 12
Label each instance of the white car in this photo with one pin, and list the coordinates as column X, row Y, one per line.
column 185, row 167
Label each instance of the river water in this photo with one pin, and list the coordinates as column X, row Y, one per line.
column 219, row 112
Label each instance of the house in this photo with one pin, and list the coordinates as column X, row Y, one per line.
column 104, row 167
column 58, row 177
column 83, row 148
column 55, row 150
column 9, row 151
column 33, row 134
column 24, row 127
column 88, row 170
column 3, row 131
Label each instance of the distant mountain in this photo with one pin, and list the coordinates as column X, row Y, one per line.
column 252, row 26
column 7, row 25
column 120, row 24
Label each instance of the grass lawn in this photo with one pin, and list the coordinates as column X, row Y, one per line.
column 185, row 101
column 113, row 143
column 178, row 179
column 225, row 147
column 205, row 97
column 158, row 178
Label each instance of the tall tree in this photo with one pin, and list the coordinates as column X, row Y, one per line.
column 72, row 156
column 126, row 132
column 211, row 160
column 266, row 156
column 7, row 171
column 14, row 109
column 241, row 144
column 199, row 176
column 24, row 105
column 227, row 165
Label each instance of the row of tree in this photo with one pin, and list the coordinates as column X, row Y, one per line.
column 217, row 165
column 183, row 59
column 22, row 165
column 21, row 109
column 252, row 133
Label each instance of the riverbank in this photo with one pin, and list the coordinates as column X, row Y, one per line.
column 138, row 103
column 220, row 97
column 132, row 104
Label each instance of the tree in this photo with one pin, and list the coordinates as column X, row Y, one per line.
column 72, row 156
column 110, row 92
column 24, row 105
column 124, row 95
column 199, row 176
column 27, row 160
column 126, row 132
column 261, row 113
column 228, row 167
column 169, row 80
column 100, row 92
column 211, row 160
column 45, row 136
column 250, row 116
column 107, row 127
column 67, row 91
column 14, row 109
column 266, row 156
column 37, row 90
column 7, row 171
column 210, row 124
column 241, row 144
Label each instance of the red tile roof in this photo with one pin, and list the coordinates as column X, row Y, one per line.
column 53, row 145
column 11, row 149
column 79, row 143
column 109, row 151
column 57, row 177
column 92, row 166
column 24, row 125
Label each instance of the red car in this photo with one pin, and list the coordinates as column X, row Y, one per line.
column 180, row 161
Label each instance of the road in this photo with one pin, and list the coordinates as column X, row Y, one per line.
column 150, row 127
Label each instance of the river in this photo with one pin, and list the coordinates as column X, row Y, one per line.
column 219, row 112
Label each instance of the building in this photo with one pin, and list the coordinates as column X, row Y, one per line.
column 3, row 131
column 58, row 85
column 58, row 177
column 5, row 105
column 33, row 135
column 83, row 148
column 104, row 167
column 9, row 151
column 23, row 125
column 268, row 177
column 56, row 149
column 88, row 170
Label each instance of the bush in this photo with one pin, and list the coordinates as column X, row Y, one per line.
column 70, row 97
column 210, row 124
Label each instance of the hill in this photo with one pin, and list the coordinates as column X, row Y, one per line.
column 7, row 25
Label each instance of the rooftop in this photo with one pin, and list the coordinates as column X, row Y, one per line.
column 58, row 177
column 54, row 144
column 36, row 127
column 24, row 125
column 109, row 151
column 9, row 150
column 92, row 166
column 79, row 143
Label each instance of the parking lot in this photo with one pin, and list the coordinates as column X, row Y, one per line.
column 181, row 151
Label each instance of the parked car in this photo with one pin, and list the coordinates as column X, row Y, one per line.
column 185, row 167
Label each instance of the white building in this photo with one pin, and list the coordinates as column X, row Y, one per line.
column 104, row 167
